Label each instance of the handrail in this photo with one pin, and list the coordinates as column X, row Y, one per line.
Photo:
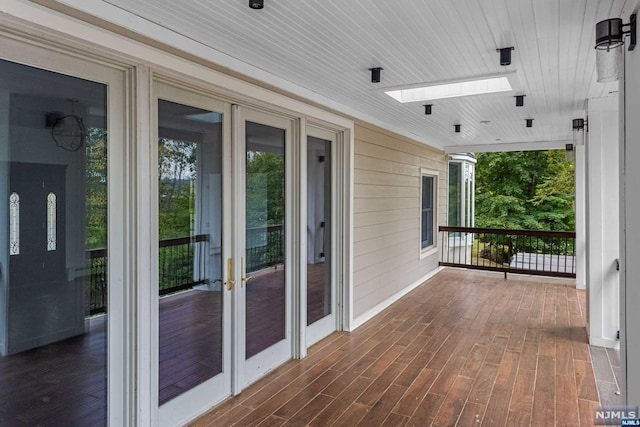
column 178, row 271
column 536, row 252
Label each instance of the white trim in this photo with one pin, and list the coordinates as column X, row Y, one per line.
column 377, row 309
column 429, row 250
column 509, row 146
column 604, row 342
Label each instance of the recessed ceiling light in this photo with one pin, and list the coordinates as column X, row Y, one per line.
column 452, row 89
column 485, row 122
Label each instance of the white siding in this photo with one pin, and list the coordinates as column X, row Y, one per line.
column 386, row 249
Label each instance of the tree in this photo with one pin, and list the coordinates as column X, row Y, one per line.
column 525, row 190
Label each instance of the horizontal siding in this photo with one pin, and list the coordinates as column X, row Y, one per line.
column 386, row 248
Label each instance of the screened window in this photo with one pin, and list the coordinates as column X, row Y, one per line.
column 427, row 216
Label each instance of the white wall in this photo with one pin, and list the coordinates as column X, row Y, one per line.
column 580, row 209
column 602, row 226
column 386, row 248
column 630, row 221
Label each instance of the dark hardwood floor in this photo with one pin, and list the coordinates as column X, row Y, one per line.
column 465, row 348
column 64, row 384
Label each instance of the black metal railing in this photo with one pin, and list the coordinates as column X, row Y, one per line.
column 547, row 253
column 176, row 264
column 265, row 247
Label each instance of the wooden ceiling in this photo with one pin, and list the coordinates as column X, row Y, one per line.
column 327, row 47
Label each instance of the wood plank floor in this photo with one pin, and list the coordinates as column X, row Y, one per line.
column 465, row 348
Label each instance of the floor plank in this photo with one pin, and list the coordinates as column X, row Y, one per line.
column 504, row 352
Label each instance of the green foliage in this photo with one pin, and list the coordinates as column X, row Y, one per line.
column 265, row 189
column 177, row 172
column 531, row 190
column 96, row 188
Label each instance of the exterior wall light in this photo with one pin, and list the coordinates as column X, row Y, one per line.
column 579, row 127
column 505, row 55
column 427, row 109
column 569, row 153
column 519, row 100
column 375, row 74
column 256, row 4
column 609, row 47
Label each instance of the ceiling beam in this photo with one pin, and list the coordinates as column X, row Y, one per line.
column 508, row 146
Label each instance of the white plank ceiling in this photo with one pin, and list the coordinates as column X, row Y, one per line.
column 327, row 47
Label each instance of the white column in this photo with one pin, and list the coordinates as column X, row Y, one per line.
column 581, row 216
column 603, row 225
column 630, row 221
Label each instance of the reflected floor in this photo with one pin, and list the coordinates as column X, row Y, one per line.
column 64, row 383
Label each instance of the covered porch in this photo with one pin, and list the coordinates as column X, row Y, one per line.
column 464, row 348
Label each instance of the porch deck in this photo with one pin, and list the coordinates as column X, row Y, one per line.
column 465, row 348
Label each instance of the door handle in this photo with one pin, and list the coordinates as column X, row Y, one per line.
column 244, row 279
column 230, row 282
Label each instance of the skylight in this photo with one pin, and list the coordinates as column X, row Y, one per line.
column 451, row 90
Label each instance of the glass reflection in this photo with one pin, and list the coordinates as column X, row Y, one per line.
column 189, row 259
column 318, row 229
column 53, row 252
column 265, row 237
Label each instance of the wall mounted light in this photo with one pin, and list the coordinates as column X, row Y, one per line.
column 427, row 109
column 519, row 100
column 375, row 74
column 569, row 153
column 579, row 127
column 609, row 47
column 256, row 4
column 505, row 55
column 529, row 123
column 457, row 128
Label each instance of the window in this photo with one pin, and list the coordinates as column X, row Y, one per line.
column 461, row 190
column 427, row 207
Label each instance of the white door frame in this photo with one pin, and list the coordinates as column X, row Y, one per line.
column 313, row 333
column 249, row 370
column 196, row 400
column 121, row 321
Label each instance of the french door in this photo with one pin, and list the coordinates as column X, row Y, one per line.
column 224, row 304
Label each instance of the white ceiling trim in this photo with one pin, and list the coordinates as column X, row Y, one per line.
column 513, row 146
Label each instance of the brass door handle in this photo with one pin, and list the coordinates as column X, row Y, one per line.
column 230, row 282
column 244, row 279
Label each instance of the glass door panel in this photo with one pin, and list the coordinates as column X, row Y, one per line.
column 320, row 285
column 319, row 292
column 193, row 359
column 265, row 237
column 264, row 248
column 53, row 284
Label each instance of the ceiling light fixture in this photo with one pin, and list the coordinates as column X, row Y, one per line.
column 452, row 89
column 519, row 100
column 256, row 4
column 427, row 109
column 529, row 123
column 375, row 74
column 505, row 55
column 457, row 128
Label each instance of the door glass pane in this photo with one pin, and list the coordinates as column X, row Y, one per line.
column 265, row 237
column 190, row 258
column 318, row 229
column 53, row 248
